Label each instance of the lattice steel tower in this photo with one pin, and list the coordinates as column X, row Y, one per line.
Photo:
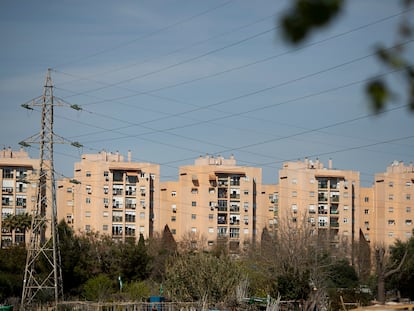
column 43, row 276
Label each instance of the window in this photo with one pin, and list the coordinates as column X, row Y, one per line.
column 246, row 192
column 173, row 218
column 312, row 194
column 194, row 229
column 88, row 200
column 130, row 216
column 105, row 214
column 174, row 208
column 194, row 190
column 294, row 194
column 88, row 228
column 390, row 234
column 106, row 173
column 408, row 183
column 346, row 195
column 117, row 216
column 391, row 197
column 366, row 211
column 366, row 199
column 88, row 174
column 345, row 220
column 104, row 227
column 390, row 184
column 210, row 230
column 294, row 208
column 408, row 196
column 117, row 229
column 294, row 181
column 193, row 216
column 391, row 222
column 246, row 206
column 69, row 189
column 106, row 189
column 346, row 207
column 312, row 209
column 193, row 203
column 366, row 223
column 88, row 189
column 408, row 209
column 174, row 231
column 87, row 214
column 234, row 232
column 173, row 193
column 210, row 216
column 408, row 222
column 142, row 215
column 390, row 209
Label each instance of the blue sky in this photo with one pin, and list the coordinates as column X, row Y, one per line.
column 173, row 80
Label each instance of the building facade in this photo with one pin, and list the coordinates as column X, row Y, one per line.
column 110, row 196
column 215, row 201
column 326, row 198
column 393, row 212
column 18, row 177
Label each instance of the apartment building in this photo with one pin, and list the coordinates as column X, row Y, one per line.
column 393, row 212
column 326, row 198
column 215, row 201
column 18, row 177
column 110, row 195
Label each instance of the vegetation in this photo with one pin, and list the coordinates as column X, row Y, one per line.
column 295, row 265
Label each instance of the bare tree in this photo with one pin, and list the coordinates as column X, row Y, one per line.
column 192, row 241
column 385, row 268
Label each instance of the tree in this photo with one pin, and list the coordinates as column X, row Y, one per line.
column 98, row 288
column 306, row 16
column 160, row 248
column 17, row 223
column 202, row 277
column 134, row 260
column 404, row 279
column 12, row 263
column 385, row 267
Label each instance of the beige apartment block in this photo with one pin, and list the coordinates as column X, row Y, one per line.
column 18, row 177
column 323, row 197
column 268, row 213
column 393, row 212
column 215, row 201
column 111, row 196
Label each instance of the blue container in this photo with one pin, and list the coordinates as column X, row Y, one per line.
column 156, row 303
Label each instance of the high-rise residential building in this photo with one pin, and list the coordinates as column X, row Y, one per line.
column 215, row 201
column 393, row 212
column 323, row 197
column 110, row 195
column 18, row 177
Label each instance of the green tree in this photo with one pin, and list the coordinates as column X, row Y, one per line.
column 134, row 260
column 305, row 16
column 98, row 288
column 17, row 223
column 202, row 277
column 160, row 249
column 404, row 279
column 12, row 263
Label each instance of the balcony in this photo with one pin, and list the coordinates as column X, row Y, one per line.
column 7, row 190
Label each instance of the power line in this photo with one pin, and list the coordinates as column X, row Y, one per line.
column 183, row 21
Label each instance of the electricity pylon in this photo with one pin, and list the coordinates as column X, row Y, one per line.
column 43, row 275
